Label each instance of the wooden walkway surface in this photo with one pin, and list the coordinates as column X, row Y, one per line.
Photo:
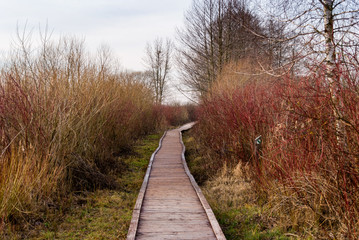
column 170, row 204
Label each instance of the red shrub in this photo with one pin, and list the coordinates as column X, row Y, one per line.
column 302, row 148
column 231, row 120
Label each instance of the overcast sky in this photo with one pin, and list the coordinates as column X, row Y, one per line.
column 124, row 25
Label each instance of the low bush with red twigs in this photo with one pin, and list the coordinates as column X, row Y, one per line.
column 307, row 166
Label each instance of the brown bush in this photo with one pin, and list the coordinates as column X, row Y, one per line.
column 63, row 119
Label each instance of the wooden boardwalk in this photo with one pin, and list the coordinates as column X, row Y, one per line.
column 170, row 204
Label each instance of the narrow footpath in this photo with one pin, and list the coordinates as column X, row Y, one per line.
column 170, row 204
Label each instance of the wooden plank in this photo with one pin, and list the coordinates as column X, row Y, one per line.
column 156, row 216
column 164, row 187
column 186, row 201
column 170, row 175
column 178, row 179
column 175, row 203
column 168, row 164
column 175, row 207
column 167, row 170
column 160, row 190
column 163, row 228
column 165, row 196
column 176, row 235
column 167, row 222
column 173, row 199
column 172, row 210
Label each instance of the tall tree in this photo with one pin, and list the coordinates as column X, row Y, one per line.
column 214, row 34
column 158, row 64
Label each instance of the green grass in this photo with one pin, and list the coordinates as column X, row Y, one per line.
column 104, row 214
column 245, row 223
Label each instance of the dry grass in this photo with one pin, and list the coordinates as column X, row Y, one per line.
column 229, row 188
column 27, row 187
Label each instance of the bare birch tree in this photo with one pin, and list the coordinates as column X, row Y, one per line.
column 158, row 64
column 320, row 30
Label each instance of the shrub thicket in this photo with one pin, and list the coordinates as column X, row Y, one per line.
column 64, row 116
column 308, row 169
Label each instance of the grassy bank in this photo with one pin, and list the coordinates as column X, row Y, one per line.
column 238, row 209
column 102, row 214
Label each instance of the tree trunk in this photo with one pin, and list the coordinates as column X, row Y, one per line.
column 331, row 76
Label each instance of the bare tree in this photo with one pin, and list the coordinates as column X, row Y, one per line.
column 214, row 34
column 158, row 63
column 137, row 77
column 319, row 30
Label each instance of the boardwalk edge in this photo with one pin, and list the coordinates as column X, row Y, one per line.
column 210, row 215
column 131, row 235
